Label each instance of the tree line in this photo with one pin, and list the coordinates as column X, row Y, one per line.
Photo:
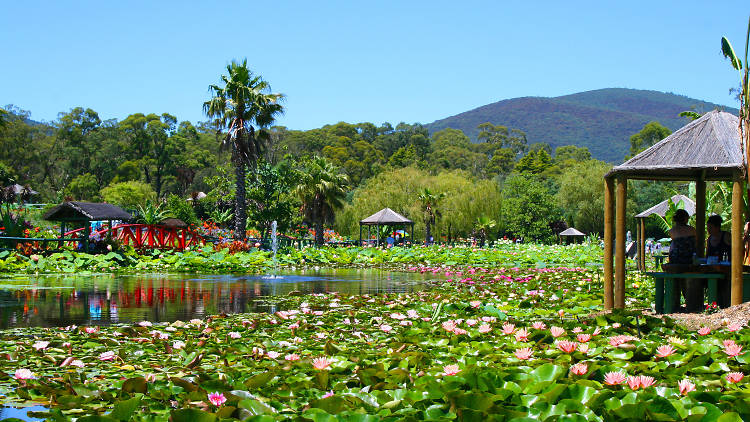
column 255, row 172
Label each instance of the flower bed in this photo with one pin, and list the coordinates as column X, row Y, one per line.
column 506, row 344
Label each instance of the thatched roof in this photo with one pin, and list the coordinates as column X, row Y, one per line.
column 385, row 216
column 570, row 231
column 173, row 223
column 86, row 211
column 662, row 207
column 710, row 144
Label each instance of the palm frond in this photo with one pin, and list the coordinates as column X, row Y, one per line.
column 728, row 52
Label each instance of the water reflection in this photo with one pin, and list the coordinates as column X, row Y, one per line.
column 105, row 299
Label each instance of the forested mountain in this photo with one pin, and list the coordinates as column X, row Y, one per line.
column 602, row 120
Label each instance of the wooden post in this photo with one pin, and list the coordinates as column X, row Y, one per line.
column 609, row 211
column 622, row 184
column 737, row 244
column 700, row 217
column 642, row 244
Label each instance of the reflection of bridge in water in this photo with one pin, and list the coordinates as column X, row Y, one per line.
column 56, row 301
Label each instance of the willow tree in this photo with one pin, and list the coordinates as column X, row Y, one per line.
column 322, row 189
column 429, row 201
column 242, row 108
column 744, row 91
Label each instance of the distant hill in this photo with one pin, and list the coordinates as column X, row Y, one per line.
column 601, row 120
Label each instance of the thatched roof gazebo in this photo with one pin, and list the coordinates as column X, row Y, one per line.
column 708, row 148
column 84, row 213
column 571, row 232
column 659, row 209
column 385, row 217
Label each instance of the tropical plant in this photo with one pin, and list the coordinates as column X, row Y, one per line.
column 245, row 108
column 483, row 225
column 744, row 90
column 152, row 213
column 666, row 221
column 322, row 190
column 429, row 200
column 221, row 217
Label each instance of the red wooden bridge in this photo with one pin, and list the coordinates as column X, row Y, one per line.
column 144, row 236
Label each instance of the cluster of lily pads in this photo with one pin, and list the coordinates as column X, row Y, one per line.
column 206, row 260
column 485, row 344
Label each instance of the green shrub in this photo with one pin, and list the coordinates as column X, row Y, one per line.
column 83, row 187
column 128, row 194
column 180, row 208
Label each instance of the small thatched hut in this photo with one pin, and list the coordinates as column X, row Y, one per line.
column 385, row 217
column 708, row 148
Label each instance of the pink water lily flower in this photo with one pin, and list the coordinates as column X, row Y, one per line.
column 614, row 378
column 90, row 330
column 734, row 377
column 704, row 331
column 577, row 330
column 451, row 370
column 386, row 328
column 732, row 350
column 579, row 368
column 23, row 374
column 556, row 331
column 583, row 348
column 459, row 331
column 292, row 357
column 567, row 346
column 234, row 334
column 522, row 335
column 77, row 363
column 449, row 326
column 411, row 313
column 523, row 353
column 485, row 328
column 647, row 381
column 273, row 355
column 728, row 342
column 217, row 399
column 509, row 328
column 583, row 338
column 328, row 394
column 664, row 351
column 321, row 363
column 634, row 382
column 735, row 326
column 107, row 356
column 40, row 345
column 538, row 325
column 475, row 303
column 685, row 386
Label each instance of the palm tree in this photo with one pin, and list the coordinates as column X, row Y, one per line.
column 744, row 91
column 429, row 202
column 483, row 225
column 245, row 107
column 322, row 190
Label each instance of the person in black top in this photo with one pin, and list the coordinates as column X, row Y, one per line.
column 719, row 245
column 681, row 251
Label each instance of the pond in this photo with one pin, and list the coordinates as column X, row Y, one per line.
column 61, row 300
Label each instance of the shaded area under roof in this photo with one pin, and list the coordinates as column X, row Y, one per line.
column 385, row 216
column 710, row 144
column 86, row 211
column 662, row 207
column 570, row 231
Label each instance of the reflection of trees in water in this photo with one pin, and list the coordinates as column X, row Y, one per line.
column 127, row 299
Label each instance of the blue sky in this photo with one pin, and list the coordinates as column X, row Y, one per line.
column 358, row 61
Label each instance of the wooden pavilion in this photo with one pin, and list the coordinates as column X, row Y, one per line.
column 385, row 217
column 659, row 209
column 571, row 233
column 83, row 213
column 705, row 149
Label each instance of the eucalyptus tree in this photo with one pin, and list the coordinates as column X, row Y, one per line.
column 322, row 189
column 429, row 201
column 744, row 90
column 244, row 107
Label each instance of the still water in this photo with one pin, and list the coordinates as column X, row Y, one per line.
column 61, row 300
